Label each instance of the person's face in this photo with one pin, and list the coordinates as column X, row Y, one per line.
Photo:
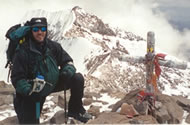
column 39, row 33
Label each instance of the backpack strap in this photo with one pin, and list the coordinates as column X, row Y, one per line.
column 10, row 69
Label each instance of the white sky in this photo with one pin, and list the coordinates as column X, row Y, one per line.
column 137, row 16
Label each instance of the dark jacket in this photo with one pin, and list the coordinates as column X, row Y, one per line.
column 32, row 59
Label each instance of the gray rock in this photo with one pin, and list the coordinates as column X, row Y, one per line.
column 109, row 118
column 58, row 118
column 128, row 110
column 9, row 121
column 94, row 110
column 141, row 107
column 162, row 115
column 87, row 101
column 6, row 99
column 116, row 118
column 7, row 91
column 174, row 110
column 144, row 119
column 129, row 98
column 168, row 111
column 183, row 102
column 91, row 94
column 61, row 100
column 188, row 119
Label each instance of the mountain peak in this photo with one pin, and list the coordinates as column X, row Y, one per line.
column 91, row 22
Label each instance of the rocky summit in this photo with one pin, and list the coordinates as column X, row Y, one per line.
column 111, row 85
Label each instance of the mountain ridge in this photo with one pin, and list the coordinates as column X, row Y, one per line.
column 75, row 29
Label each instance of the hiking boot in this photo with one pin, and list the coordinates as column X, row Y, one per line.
column 80, row 117
column 84, row 113
column 87, row 115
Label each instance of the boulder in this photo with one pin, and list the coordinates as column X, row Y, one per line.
column 91, row 95
column 143, row 119
column 141, row 107
column 183, row 102
column 6, row 99
column 6, row 89
column 116, row 118
column 94, row 110
column 188, row 119
column 61, row 100
column 87, row 101
column 128, row 110
column 129, row 98
column 9, row 121
column 162, row 115
column 174, row 110
column 110, row 118
column 166, row 110
column 58, row 118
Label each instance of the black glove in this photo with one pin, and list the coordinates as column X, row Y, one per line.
column 68, row 71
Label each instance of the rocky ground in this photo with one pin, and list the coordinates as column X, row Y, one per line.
column 168, row 109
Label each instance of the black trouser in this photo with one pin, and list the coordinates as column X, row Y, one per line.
column 76, row 85
column 25, row 107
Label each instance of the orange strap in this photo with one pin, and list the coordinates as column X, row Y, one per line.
column 154, row 79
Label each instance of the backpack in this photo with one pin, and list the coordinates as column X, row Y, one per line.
column 16, row 36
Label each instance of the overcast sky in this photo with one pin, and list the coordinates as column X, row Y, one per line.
column 169, row 19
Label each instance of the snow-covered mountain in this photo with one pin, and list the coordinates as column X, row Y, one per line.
column 95, row 47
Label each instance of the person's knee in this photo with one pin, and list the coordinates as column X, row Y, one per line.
column 78, row 81
column 78, row 77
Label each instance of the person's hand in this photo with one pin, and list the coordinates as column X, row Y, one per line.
column 68, row 71
column 23, row 87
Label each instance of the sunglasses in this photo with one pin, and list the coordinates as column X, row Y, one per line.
column 36, row 29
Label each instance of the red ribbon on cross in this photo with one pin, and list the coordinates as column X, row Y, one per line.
column 156, row 63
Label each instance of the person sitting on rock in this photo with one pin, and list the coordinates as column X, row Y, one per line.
column 41, row 67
